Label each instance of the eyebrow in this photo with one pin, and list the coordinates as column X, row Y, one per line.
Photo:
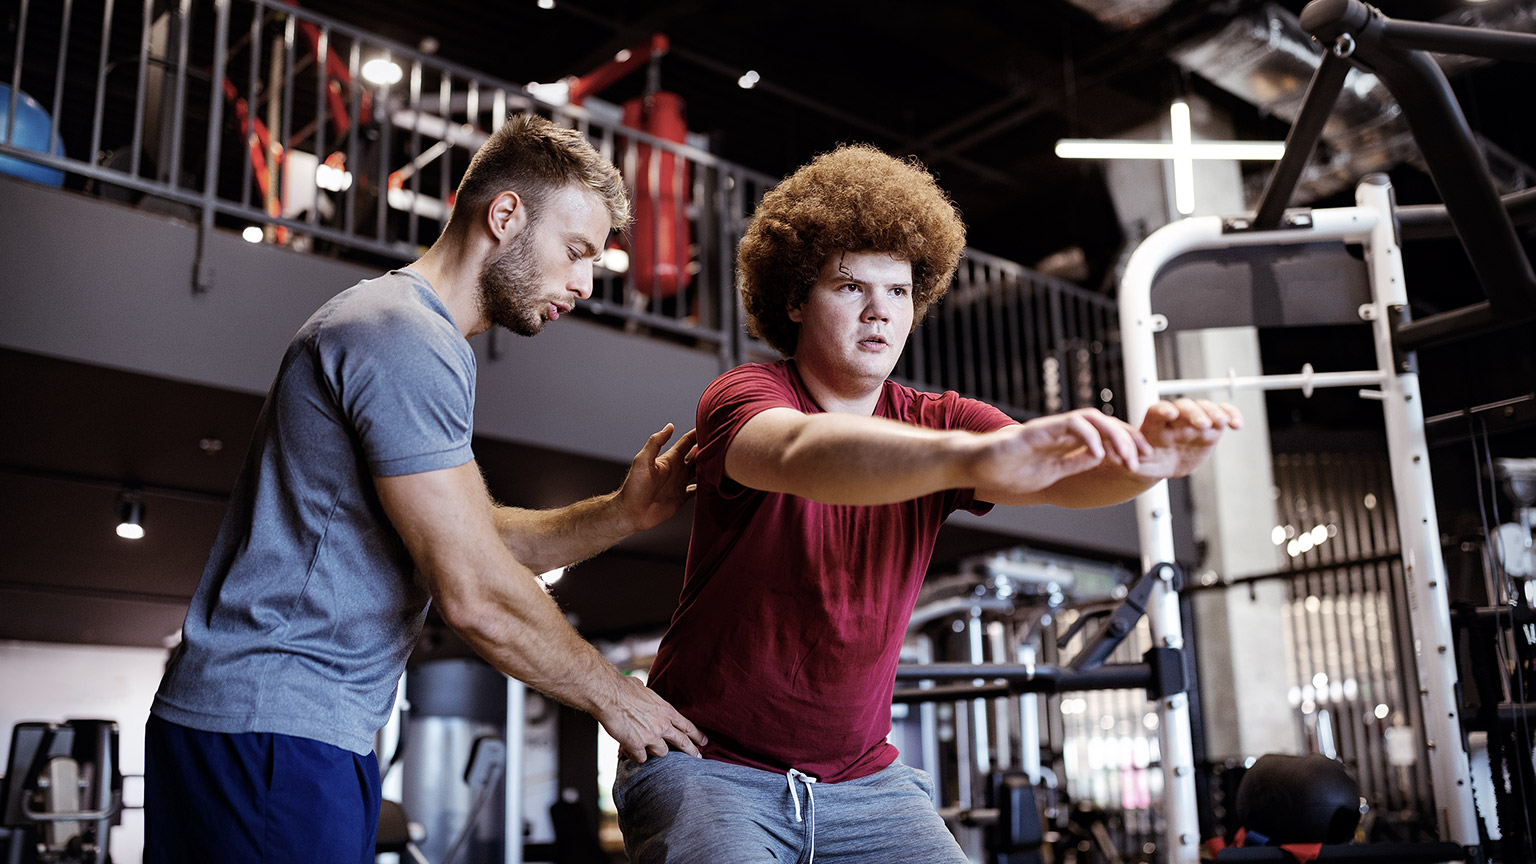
column 845, row 276
column 587, row 249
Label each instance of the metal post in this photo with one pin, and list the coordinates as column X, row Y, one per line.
column 202, row 271
column 1419, row 532
column 517, row 694
column 1155, row 530
column 1154, row 523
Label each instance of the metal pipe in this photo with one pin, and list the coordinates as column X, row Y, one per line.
column 1428, row 221
column 202, row 272
column 58, row 72
column 101, row 76
column 1305, row 381
column 1455, row 39
column 1424, row 569
column 1301, row 140
column 15, row 95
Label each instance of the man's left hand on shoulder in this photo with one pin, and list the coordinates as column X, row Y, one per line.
column 658, row 483
column 1181, row 434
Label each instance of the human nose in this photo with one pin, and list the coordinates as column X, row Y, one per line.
column 581, row 280
column 877, row 307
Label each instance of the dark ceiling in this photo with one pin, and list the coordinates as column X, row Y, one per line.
column 978, row 90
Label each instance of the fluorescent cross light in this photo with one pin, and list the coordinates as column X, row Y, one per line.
column 1182, row 150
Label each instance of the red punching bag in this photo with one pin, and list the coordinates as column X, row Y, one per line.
column 661, row 232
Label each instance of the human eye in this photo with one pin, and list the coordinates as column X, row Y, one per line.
column 900, row 291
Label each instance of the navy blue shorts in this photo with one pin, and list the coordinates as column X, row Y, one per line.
column 255, row 798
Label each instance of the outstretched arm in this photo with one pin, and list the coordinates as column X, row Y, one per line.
column 1179, row 436
column 852, row 459
column 499, row 607
column 657, row 485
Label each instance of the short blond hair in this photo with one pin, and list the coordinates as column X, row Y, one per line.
column 535, row 158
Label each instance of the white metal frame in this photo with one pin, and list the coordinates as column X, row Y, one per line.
column 1371, row 224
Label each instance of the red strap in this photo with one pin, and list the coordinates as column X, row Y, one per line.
column 1305, row 853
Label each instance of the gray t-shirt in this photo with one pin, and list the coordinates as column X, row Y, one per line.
column 310, row 603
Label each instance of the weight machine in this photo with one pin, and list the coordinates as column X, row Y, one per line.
column 1353, row 34
column 62, row 792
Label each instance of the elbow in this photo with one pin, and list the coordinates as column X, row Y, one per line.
column 474, row 623
column 468, row 612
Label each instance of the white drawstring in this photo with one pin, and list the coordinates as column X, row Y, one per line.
column 810, row 805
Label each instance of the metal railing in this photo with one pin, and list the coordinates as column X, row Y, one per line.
column 257, row 116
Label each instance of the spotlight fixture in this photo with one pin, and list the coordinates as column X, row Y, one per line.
column 130, row 516
column 382, row 71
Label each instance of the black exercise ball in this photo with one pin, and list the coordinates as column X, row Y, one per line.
column 1299, row 799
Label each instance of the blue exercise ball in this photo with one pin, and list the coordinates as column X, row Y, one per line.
column 33, row 130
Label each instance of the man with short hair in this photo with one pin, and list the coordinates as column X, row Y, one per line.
column 822, row 485
column 360, row 503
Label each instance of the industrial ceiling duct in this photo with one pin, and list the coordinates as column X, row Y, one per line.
column 1267, row 60
column 1123, row 14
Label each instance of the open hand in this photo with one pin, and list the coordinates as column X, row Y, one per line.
column 657, row 485
column 645, row 724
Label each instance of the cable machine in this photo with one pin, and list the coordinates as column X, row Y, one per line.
column 1356, row 34
column 1353, row 34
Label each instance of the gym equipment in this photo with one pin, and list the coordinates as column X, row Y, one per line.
column 1298, row 799
column 991, row 794
column 62, row 791
column 1356, row 34
column 33, row 131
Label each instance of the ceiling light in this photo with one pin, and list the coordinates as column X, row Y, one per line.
column 130, row 516
column 546, row 4
column 382, row 71
column 1182, row 150
column 749, row 80
column 556, row 93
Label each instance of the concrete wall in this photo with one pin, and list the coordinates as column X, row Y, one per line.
column 109, row 285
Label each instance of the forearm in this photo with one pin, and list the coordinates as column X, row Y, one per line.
column 543, row 540
column 507, row 617
column 847, row 459
column 1107, row 484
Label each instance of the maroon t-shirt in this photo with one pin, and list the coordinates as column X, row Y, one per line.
column 784, row 645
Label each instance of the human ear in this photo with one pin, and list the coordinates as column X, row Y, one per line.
column 507, row 215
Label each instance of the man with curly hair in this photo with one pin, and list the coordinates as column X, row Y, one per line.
column 821, row 488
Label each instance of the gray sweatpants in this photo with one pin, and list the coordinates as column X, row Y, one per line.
column 676, row 809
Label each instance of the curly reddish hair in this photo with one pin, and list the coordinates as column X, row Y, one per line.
column 855, row 199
